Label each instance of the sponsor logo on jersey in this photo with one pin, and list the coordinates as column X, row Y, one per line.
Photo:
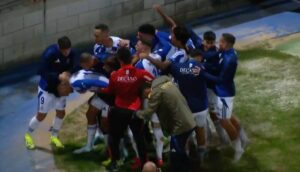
column 127, row 79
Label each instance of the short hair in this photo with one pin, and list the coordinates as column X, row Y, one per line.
column 85, row 57
column 124, row 55
column 196, row 52
column 102, row 27
column 229, row 38
column 182, row 34
column 112, row 62
column 209, row 36
column 147, row 29
column 64, row 42
column 146, row 42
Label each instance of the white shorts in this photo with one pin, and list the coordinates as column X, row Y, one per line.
column 98, row 103
column 48, row 101
column 212, row 100
column 201, row 118
column 225, row 107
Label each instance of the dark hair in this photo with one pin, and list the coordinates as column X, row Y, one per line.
column 85, row 57
column 229, row 38
column 124, row 55
column 146, row 42
column 182, row 34
column 147, row 29
column 64, row 43
column 196, row 52
column 209, row 36
column 112, row 62
column 102, row 27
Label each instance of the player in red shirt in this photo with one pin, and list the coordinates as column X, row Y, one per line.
column 126, row 85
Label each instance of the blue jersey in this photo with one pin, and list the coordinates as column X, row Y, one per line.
column 85, row 80
column 193, row 87
column 211, row 63
column 102, row 53
column 160, row 46
column 54, row 63
column 148, row 66
column 224, row 81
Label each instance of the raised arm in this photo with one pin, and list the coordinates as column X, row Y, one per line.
column 165, row 17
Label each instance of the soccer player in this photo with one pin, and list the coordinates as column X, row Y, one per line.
column 191, row 44
column 160, row 46
column 125, row 84
column 211, row 64
column 193, row 87
column 225, row 90
column 175, row 117
column 106, row 45
column 82, row 81
column 143, row 48
column 57, row 63
column 179, row 38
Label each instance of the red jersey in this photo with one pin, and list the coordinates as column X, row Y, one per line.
column 126, row 84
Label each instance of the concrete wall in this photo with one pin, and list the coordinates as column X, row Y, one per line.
column 24, row 32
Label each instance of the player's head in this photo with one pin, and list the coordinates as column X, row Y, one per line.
column 197, row 55
column 227, row 41
column 64, row 45
column 179, row 36
column 143, row 45
column 86, row 61
column 124, row 56
column 146, row 32
column 209, row 40
column 101, row 33
column 111, row 64
column 149, row 167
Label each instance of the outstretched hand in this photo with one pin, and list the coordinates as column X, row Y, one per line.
column 157, row 7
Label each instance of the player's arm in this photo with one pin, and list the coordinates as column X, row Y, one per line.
column 111, row 86
column 165, row 17
column 225, row 74
column 163, row 65
column 153, row 104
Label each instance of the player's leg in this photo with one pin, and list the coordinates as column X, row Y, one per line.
column 91, row 129
column 242, row 133
column 136, row 126
column 213, row 113
column 201, row 121
column 60, row 105
column 45, row 103
column 159, row 136
column 118, row 123
column 178, row 157
column 225, row 106
column 137, row 161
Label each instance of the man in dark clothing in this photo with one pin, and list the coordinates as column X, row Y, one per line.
column 58, row 62
column 125, row 84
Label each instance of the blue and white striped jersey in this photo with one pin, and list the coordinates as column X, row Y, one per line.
column 86, row 80
column 148, row 66
column 102, row 52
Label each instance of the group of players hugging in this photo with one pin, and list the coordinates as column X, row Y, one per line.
column 169, row 85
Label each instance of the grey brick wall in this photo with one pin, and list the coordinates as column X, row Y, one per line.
column 23, row 34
